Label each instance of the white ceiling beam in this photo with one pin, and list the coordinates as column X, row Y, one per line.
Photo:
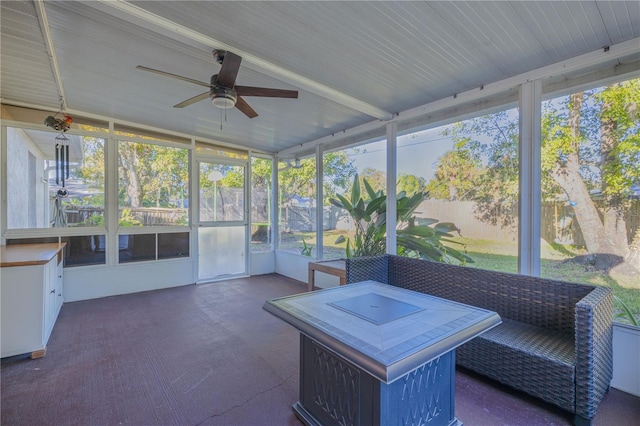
column 48, row 41
column 137, row 15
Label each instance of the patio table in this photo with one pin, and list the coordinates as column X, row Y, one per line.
column 376, row 354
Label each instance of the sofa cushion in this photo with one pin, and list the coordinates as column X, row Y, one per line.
column 536, row 360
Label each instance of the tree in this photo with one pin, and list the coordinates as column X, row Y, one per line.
column 456, row 175
column 151, row 175
column 170, row 177
column 337, row 170
column 91, row 170
column 482, row 167
column 376, row 178
column 131, row 188
column 590, row 147
column 598, row 130
column 410, row 184
column 261, row 173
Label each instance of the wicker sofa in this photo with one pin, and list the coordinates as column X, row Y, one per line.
column 555, row 341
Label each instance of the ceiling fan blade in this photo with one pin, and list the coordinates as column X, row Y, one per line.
column 193, row 100
column 243, row 106
column 168, row 74
column 266, row 92
column 229, row 70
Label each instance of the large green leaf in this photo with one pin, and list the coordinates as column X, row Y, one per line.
column 336, row 203
column 419, row 231
column 372, row 194
column 406, row 207
column 345, row 203
column 360, row 212
column 355, row 191
column 447, row 227
column 458, row 255
column 425, row 221
column 375, row 204
column 426, row 249
column 448, row 240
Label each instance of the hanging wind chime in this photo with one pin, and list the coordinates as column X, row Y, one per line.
column 61, row 148
column 62, row 163
column 61, row 124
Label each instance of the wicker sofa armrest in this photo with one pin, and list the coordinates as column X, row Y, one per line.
column 367, row 268
column 594, row 353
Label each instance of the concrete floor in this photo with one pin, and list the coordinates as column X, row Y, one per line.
column 209, row 355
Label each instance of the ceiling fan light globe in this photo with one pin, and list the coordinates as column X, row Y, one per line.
column 222, row 102
column 223, row 98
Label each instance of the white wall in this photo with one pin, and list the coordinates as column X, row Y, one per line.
column 292, row 265
column 626, row 359
column 19, row 191
column 296, row 266
column 90, row 282
column 262, row 263
column 18, row 145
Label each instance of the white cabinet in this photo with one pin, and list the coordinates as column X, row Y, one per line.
column 53, row 294
column 31, row 297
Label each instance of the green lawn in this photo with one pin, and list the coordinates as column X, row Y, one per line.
column 556, row 263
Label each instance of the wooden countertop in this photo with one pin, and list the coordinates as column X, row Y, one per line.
column 28, row 254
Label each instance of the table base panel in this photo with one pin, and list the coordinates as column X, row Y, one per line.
column 334, row 391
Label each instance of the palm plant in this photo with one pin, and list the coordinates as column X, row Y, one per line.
column 624, row 314
column 422, row 238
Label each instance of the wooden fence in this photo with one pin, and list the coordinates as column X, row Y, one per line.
column 147, row 216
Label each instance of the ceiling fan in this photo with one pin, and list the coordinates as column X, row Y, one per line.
column 223, row 90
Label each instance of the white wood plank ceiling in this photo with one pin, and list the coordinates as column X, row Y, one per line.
column 352, row 62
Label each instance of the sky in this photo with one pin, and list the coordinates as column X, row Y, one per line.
column 417, row 153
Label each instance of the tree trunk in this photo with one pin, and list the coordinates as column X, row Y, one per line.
column 603, row 252
column 453, row 190
column 593, row 231
column 614, row 224
column 631, row 266
column 633, row 258
column 129, row 161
